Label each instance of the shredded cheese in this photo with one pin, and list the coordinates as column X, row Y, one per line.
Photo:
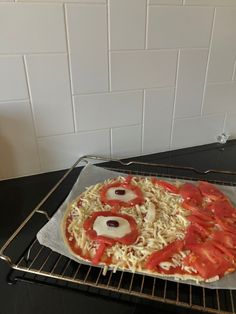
column 160, row 220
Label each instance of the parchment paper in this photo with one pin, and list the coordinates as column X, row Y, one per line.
column 50, row 235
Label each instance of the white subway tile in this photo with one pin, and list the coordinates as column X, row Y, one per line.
column 50, row 91
column 178, row 26
column 157, row 120
column 60, row 152
column 12, row 78
column 230, row 125
column 127, row 24
column 87, row 33
column 31, row 27
column 223, row 50
column 126, row 141
column 166, row 2
column 19, row 155
column 99, row 111
column 211, row 2
column 197, row 131
column 220, row 98
column 143, row 69
column 190, row 83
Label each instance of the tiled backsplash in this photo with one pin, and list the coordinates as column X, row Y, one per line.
column 112, row 77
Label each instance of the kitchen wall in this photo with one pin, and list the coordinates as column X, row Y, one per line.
column 117, row 78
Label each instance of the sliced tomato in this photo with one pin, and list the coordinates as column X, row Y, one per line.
column 222, row 209
column 195, row 234
column 227, row 239
column 165, row 254
column 138, row 198
column 227, row 224
column 128, row 179
column 192, row 236
column 191, row 194
column 98, row 255
column 208, row 260
column 166, row 185
column 209, row 190
column 191, row 205
column 204, row 215
column 224, row 250
column 204, row 223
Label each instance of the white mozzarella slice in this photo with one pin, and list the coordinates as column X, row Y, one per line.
column 101, row 227
column 126, row 197
column 151, row 213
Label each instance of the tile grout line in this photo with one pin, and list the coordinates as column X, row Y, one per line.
column 32, row 109
column 221, row 83
column 111, row 150
column 12, row 54
column 234, row 72
column 6, row 101
column 224, row 124
column 123, row 91
column 108, row 45
column 69, row 69
column 146, row 28
column 208, row 62
column 175, row 97
column 142, row 125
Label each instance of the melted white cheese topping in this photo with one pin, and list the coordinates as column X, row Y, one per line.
column 128, row 196
column 101, row 227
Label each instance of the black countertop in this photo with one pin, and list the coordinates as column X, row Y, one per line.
column 19, row 196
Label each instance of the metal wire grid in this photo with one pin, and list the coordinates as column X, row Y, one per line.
column 47, row 264
column 42, row 263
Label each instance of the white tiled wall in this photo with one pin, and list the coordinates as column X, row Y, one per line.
column 112, row 77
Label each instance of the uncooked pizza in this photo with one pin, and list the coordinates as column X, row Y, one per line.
column 143, row 224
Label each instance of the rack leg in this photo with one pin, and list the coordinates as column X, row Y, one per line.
column 11, row 280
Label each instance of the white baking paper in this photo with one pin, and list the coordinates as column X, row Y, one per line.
column 50, row 235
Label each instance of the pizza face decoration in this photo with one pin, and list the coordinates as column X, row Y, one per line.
column 144, row 224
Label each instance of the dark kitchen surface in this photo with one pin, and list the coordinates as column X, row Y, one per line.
column 19, row 196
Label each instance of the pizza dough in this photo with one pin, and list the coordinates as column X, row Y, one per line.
column 147, row 225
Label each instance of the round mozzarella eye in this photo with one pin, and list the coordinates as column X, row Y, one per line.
column 120, row 193
column 113, row 227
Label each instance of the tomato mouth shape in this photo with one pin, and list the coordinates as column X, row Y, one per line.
column 121, row 194
column 107, row 228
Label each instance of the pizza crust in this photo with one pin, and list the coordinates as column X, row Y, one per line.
column 90, row 202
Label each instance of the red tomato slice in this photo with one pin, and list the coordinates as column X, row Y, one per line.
column 203, row 215
column 166, row 185
column 192, row 236
column 96, row 259
column 138, row 199
column 128, row 179
column 165, row 254
column 204, row 223
column 224, row 250
column 195, row 234
column 225, row 238
column 227, row 224
column 191, row 194
column 222, row 209
column 208, row 260
column 209, row 190
column 191, row 205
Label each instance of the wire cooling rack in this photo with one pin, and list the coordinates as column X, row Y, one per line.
column 38, row 264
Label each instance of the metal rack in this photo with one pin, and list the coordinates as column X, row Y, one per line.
column 37, row 263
